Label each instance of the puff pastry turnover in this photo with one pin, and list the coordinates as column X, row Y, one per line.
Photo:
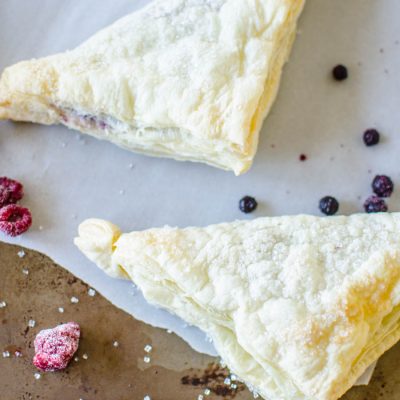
column 187, row 79
column 298, row 307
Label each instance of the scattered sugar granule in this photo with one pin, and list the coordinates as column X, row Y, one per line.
column 233, row 377
column 147, row 397
column 130, row 166
column 207, row 392
column 148, row 348
column 200, row 397
column 234, row 386
column 122, row 192
column 169, row 331
column 37, row 375
column 116, row 344
column 91, row 292
column 31, row 323
column 6, row 354
column 146, row 359
column 40, row 227
column 21, row 254
column 85, row 356
column 76, row 359
column 60, row 310
column 25, row 271
column 227, row 381
column 74, row 300
column 3, row 304
column 18, row 354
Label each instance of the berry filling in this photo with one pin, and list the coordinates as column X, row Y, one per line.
column 84, row 120
column 374, row 205
column 15, row 220
column 11, row 191
column 382, row 186
column 54, row 348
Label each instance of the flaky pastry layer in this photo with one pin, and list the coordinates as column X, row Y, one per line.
column 187, row 79
column 298, row 306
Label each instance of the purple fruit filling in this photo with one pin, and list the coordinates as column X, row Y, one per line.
column 83, row 120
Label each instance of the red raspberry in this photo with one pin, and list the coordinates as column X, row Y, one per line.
column 54, row 348
column 15, row 220
column 10, row 191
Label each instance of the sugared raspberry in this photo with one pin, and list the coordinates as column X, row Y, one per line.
column 10, row 191
column 15, row 220
column 54, row 348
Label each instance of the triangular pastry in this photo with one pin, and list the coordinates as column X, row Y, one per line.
column 187, row 79
column 298, row 307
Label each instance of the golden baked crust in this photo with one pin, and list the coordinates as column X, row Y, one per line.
column 298, row 307
column 188, row 79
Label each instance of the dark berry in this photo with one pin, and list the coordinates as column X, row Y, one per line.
column 10, row 191
column 248, row 204
column 303, row 157
column 15, row 220
column 329, row 205
column 382, row 186
column 54, row 348
column 371, row 137
column 375, row 204
column 340, row 73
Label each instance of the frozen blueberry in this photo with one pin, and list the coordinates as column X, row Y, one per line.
column 371, row 137
column 247, row 204
column 382, row 186
column 329, row 205
column 374, row 204
column 340, row 73
column 303, row 157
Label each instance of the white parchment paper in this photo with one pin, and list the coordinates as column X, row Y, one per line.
column 69, row 177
